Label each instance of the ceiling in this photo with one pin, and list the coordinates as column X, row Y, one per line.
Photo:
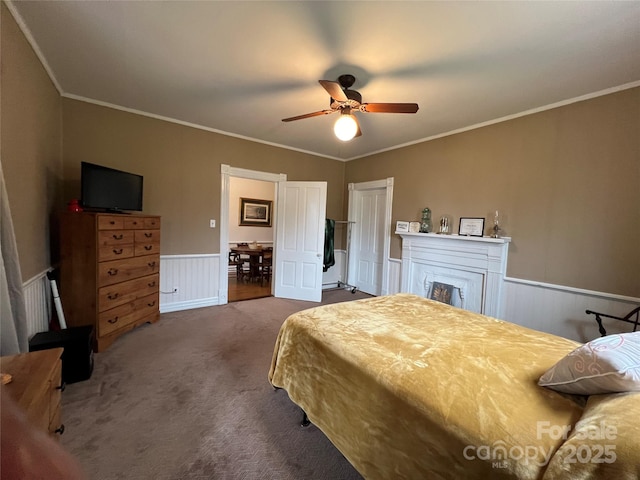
column 239, row 67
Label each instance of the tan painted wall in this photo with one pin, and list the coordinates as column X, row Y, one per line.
column 30, row 147
column 181, row 168
column 567, row 181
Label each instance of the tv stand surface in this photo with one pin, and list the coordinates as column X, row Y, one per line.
column 115, row 211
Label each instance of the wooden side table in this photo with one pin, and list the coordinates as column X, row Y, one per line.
column 36, row 386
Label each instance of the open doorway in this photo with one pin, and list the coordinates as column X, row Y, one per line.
column 299, row 212
column 251, row 234
column 230, row 210
column 370, row 205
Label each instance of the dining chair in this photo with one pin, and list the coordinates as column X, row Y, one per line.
column 265, row 265
column 236, row 261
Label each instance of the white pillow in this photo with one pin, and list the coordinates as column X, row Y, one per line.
column 604, row 365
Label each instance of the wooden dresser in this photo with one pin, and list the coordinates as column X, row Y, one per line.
column 109, row 272
column 36, row 386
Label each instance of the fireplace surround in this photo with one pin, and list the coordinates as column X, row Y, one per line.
column 474, row 266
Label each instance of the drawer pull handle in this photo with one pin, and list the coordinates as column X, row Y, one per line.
column 135, row 223
column 152, row 264
column 111, row 222
column 113, row 296
column 60, row 429
column 118, row 237
column 151, row 284
column 148, row 235
column 151, row 304
column 61, row 387
column 148, row 247
column 117, row 251
column 113, row 320
column 112, row 271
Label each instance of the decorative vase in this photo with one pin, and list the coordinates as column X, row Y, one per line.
column 74, row 206
column 425, row 224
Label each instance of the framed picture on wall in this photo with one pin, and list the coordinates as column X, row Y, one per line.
column 473, row 227
column 255, row 213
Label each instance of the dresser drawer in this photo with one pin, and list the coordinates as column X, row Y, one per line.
column 146, row 236
column 131, row 312
column 134, row 223
column 146, row 248
column 152, row 222
column 147, row 242
column 55, row 399
column 113, row 295
column 117, row 271
column 109, row 238
column 115, row 252
column 39, row 413
column 110, row 222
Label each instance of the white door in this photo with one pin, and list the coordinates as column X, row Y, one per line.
column 366, row 251
column 299, row 247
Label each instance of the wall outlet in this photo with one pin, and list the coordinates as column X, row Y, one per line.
column 212, row 223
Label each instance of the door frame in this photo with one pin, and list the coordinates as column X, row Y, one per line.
column 386, row 184
column 226, row 172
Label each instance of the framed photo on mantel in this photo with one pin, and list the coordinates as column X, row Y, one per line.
column 472, row 227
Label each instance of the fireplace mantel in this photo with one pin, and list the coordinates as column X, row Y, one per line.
column 475, row 266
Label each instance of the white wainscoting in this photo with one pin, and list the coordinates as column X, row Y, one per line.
column 546, row 307
column 195, row 277
column 37, row 299
column 550, row 308
column 395, row 275
column 561, row 310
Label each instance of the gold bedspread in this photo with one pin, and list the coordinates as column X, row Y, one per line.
column 408, row 388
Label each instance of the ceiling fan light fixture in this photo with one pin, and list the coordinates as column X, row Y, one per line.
column 345, row 127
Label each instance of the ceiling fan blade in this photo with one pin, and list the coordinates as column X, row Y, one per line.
column 334, row 89
column 308, row 115
column 389, row 107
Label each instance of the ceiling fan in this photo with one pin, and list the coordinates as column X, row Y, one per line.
column 347, row 101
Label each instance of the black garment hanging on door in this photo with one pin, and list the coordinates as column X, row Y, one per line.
column 329, row 258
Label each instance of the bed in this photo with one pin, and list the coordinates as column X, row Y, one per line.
column 409, row 388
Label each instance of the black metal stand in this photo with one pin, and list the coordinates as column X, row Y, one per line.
column 627, row 318
column 305, row 420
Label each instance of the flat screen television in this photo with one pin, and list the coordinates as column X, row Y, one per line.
column 108, row 189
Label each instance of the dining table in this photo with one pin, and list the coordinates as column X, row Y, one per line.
column 254, row 255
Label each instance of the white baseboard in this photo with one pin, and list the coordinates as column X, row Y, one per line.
column 194, row 276
column 187, row 305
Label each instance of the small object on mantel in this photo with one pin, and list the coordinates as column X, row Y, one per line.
column 414, row 227
column 425, row 225
column 6, row 378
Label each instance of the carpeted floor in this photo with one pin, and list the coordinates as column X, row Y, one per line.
column 188, row 398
